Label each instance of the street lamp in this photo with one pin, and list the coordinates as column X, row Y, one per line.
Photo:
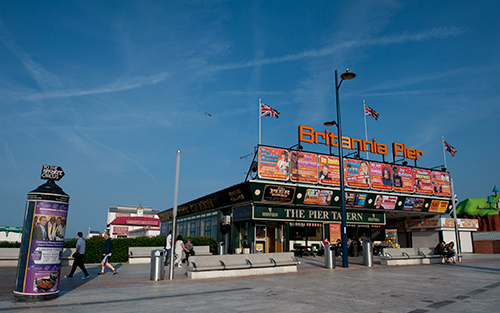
column 345, row 76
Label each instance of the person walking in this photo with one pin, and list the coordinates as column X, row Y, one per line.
column 78, row 257
column 179, row 249
column 106, row 254
column 168, row 248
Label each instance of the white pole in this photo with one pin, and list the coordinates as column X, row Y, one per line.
column 260, row 121
column 457, row 234
column 444, row 153
column 366, row 130
column 174, row 219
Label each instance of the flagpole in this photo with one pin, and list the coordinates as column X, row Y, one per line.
column 444, row 153
column 366, row 131
column 260, row 121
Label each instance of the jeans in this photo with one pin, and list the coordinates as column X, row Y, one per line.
column 167, row 258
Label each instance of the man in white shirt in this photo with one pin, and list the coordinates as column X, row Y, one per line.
column 168, row 247
column 78, row 257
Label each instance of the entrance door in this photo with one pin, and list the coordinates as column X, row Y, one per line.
column 271, row 239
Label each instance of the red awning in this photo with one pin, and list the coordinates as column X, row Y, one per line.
column 136, row 221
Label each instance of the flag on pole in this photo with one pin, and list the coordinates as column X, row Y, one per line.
column 450, row 148
column 371, row 112
column 267, row 110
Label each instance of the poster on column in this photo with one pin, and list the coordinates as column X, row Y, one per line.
column 441, row 183
column 329, row 173
column 334, row 232
column 357, row 173
column 381, row 175
column 273, row 163
column 304, row 167
column 46, row 247
column 423, row 181
column 403, row 178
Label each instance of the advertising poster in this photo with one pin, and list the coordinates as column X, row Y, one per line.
column 334, row 232
column 434, row 206
column 46, row 245
column 385, row 202
column 259, row 248
column 328, row 168
column 422, row 181
column 304, row 167
column 381, row 175
column 325, row 197
column 413, row 204
column 402, row 177
column 441, row 183
column 273, row 163
column 357, row 173
column 443, row 205
column 392, row 235
column 356, row 200
column 311, row 196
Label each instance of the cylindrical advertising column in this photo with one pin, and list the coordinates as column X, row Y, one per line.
column 40, row 255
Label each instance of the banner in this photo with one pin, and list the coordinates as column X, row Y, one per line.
column 334, row 232
column 273, row 163
column 403, row 179
column 329, row 172
column 381, row 175
column 423, row 182
column 357, row 173
column 356, row 200
column 46, row 245
column 413, row 204
column 385, row 202
column 304, row 167
column 441, row 183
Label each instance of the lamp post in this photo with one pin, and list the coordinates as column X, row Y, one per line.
column 345, row 76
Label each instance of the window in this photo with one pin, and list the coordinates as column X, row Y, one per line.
column 198, row 223
column 193, row 228
column 214, row 227
column 208, row 227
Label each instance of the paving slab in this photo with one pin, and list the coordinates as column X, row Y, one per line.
column 473, row 285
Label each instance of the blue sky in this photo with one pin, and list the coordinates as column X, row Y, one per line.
column 111, row 90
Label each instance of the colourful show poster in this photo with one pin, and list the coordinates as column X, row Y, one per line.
column 414, row 204
column 357, row 175
column 46, row 247
column 441, row 183
column 385, row 202
column 311, row 196
column 325, row 197
column 273, row 163
column 381, row 175
column 402, row 178
column 423, row 181
column 334, row 232
column 304, row 167
column 329, row 173
column 356, row 200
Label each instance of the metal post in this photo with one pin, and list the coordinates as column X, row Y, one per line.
column 457, row 234
column 174, row 220
column 345, row 261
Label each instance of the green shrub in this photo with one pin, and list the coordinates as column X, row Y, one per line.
column 119, row 247
column 8, row 244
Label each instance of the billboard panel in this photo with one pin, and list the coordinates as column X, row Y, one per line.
column 423, row 181
column 402, row 178
column 441, row 183
column 304, row 167
column 357, row 173
column 381, row 175
column 328, row 168
column 273, row 163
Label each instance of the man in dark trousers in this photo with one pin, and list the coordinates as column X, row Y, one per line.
column 78, row 257
column 106, row 253
column 168, row 248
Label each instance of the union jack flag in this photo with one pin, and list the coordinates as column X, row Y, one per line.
column 267, row 110
column 371, row 112
column 450, row 148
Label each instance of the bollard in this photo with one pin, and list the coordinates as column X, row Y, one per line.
column 367, row 252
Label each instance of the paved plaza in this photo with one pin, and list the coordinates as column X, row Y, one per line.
column 470, row 286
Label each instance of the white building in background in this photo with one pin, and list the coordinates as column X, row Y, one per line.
column 132, row 221
column 11, row 233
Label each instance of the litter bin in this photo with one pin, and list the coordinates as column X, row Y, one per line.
column 157, row 272
column 367, row 252
column 221, row 248
column 330, row 256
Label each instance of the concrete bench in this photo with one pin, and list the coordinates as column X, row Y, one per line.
column 409, row 256
column 234, row 265
column 10, row 256
column 142, row 255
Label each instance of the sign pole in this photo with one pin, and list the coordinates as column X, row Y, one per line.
column 174, row 220
column 457, row 234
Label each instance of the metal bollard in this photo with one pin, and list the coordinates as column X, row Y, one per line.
column 367, row 252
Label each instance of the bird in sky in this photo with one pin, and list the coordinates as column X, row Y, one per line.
column 208, row 114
